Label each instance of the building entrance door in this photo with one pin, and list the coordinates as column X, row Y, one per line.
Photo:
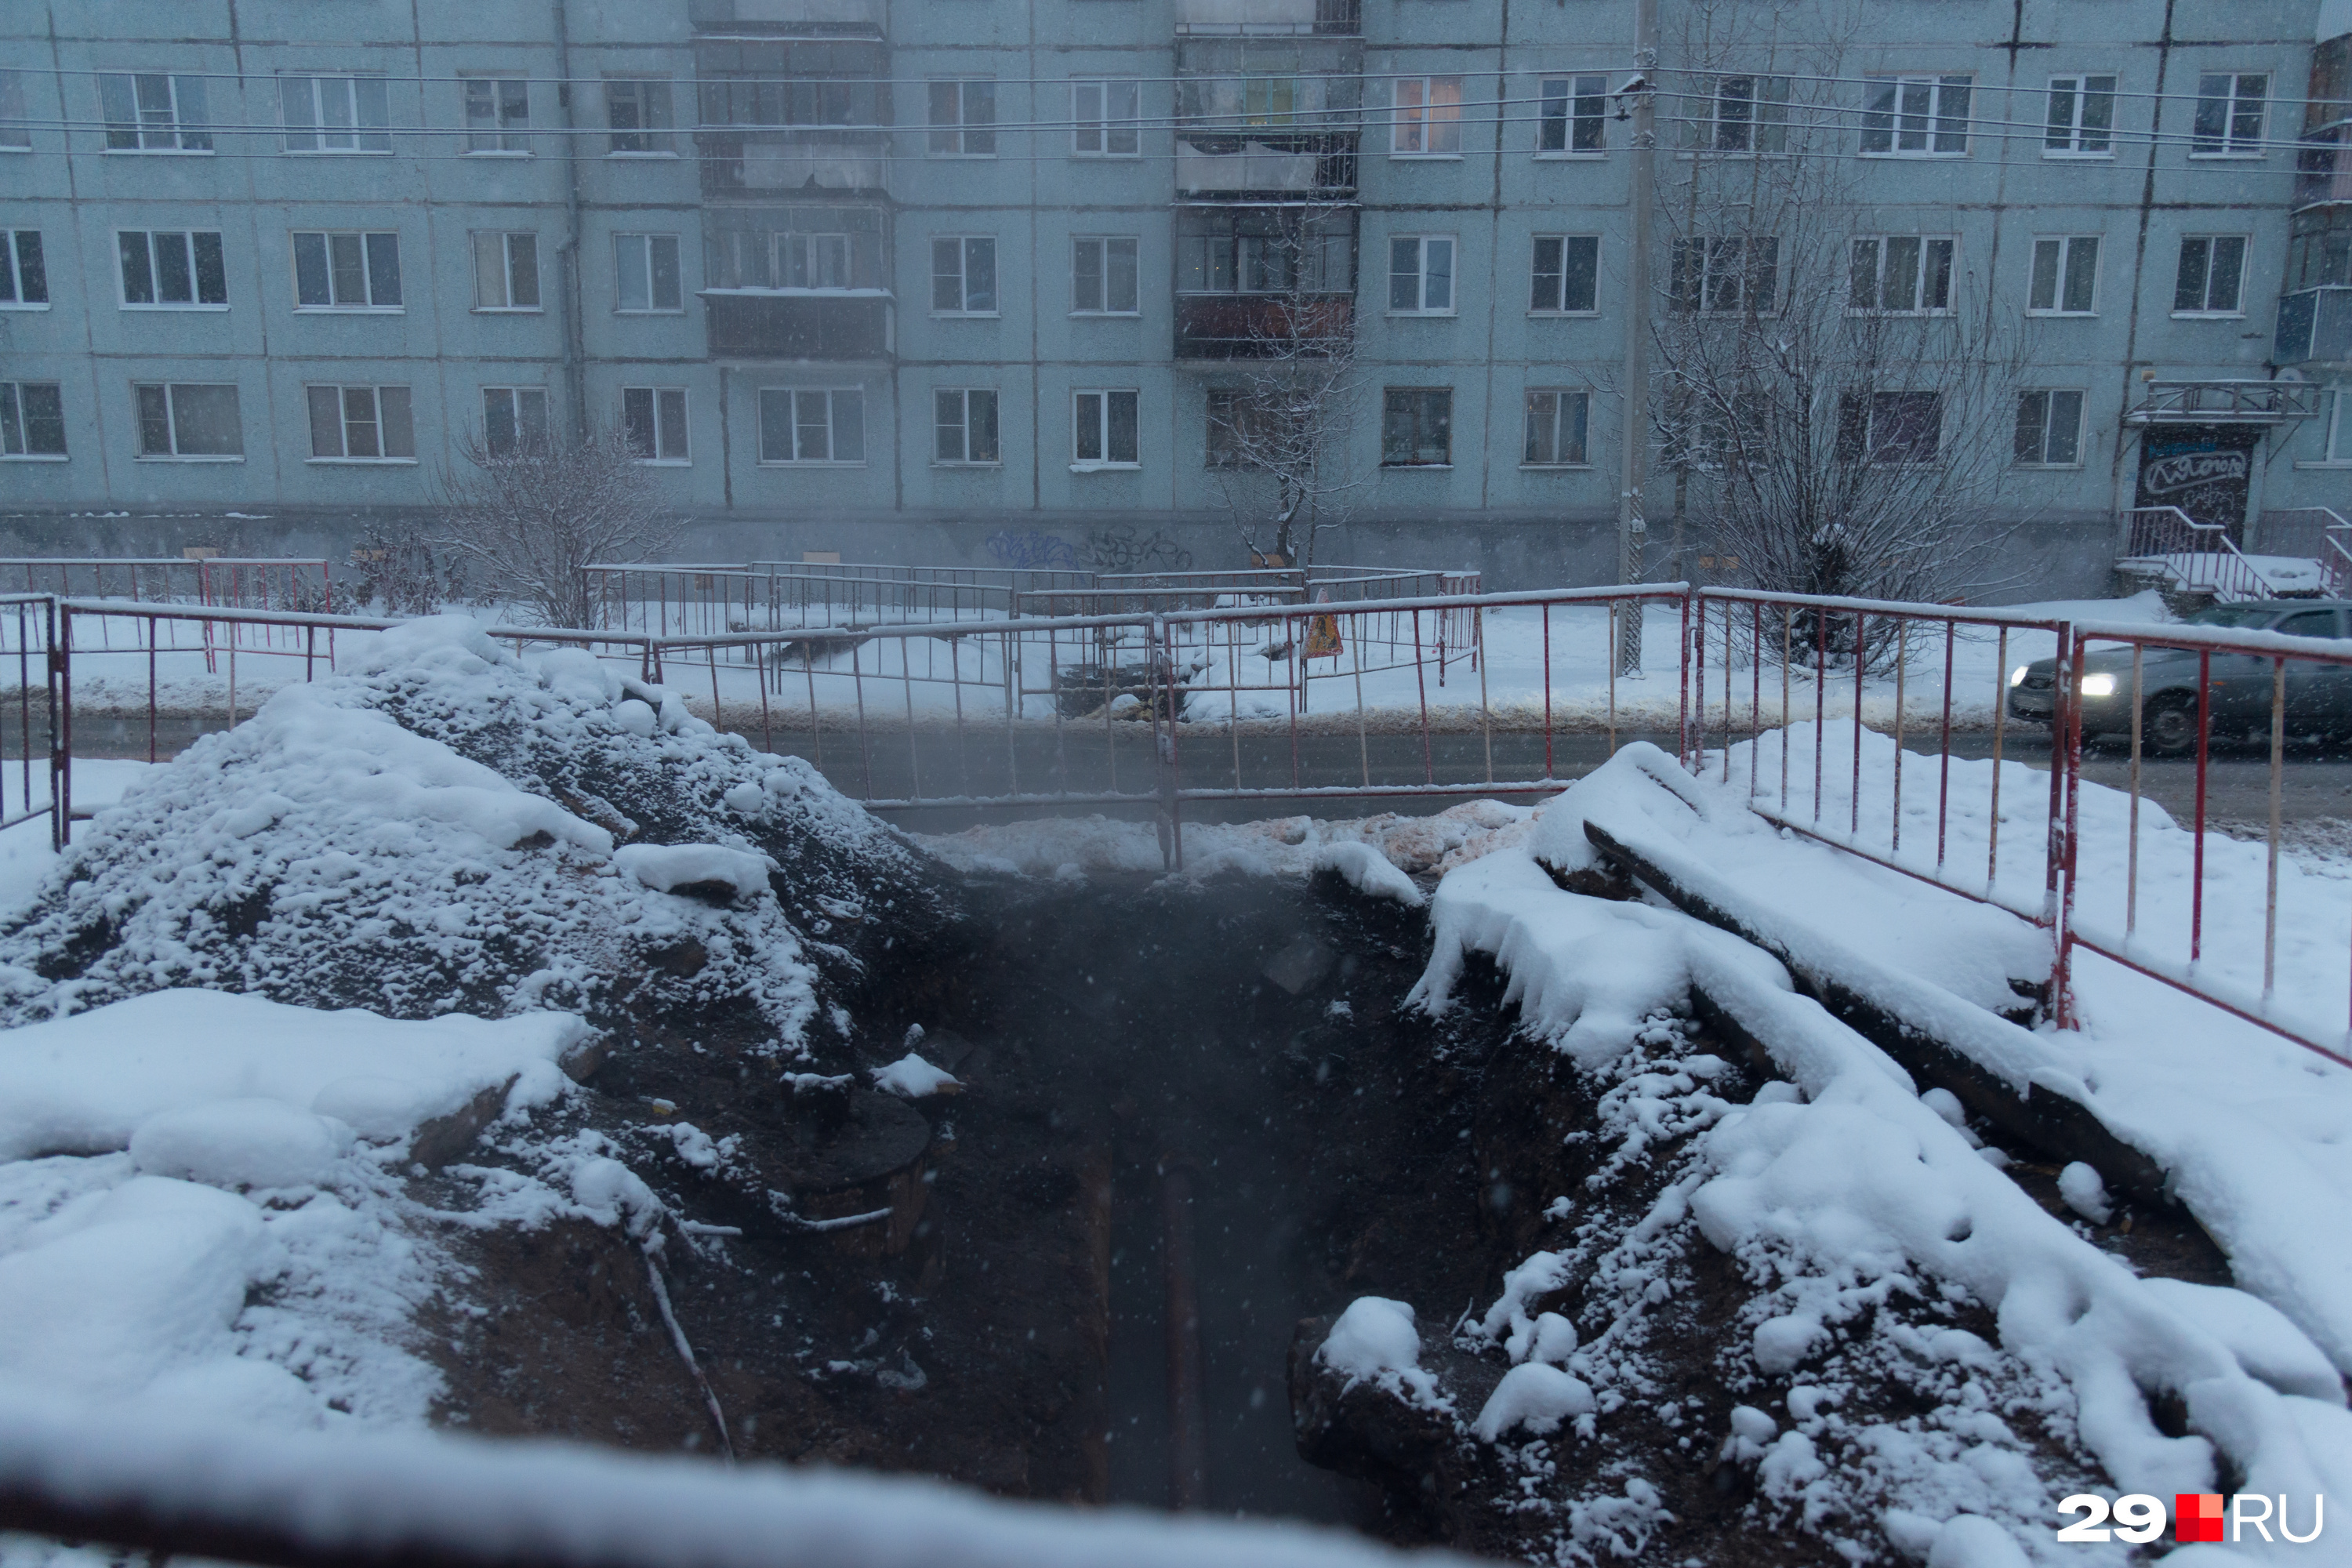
column 2204, row 470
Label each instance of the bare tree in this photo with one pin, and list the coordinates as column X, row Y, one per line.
column 1838, row 407
column 1280, row 425
column 527, row 521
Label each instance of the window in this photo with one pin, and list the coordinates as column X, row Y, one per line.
column 1105, row 120
column 346, row 271
column 811, row 425
column 645, row 268
column 168, row 270
column 1901, row 273
column 813, row 260
column 189, row 421
column 155, row 113
column 514, row 420
column 2049, row 429
column 1263, row 251
column 1566, row 273
column 2229, row 115
column 1102, row 277
column 15, row 121
column 1420, row 274
column 637, row 110
column 506, row 272
column 497, row 108
column 1555, row 421
column 335, row 113
column 24, row 280
column 1270, row 101
column 361, row 424
column 2082, row 118
column 2336, row 434
column 963, row 425
column 1416, row 426
column 2213, row 276
column 1255, row 428
column 1890, row 427
column 1428, row 122
column 2065, row 277
column 654, row 419
column 1574, row 114
column 32, row 419
column 964, row 118
column 964, row 276
column 1102, row 429
column 1742, row 114
column 1916, row 116
column 1723, row 276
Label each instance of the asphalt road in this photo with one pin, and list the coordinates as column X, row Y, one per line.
column 2316, row 787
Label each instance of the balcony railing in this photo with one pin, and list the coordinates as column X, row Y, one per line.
column 2315, row 324
column 1279, row 18
column 2225, row 402
column 855, row 17
column 1262, row 326
column 740, row 162
column 798, row 324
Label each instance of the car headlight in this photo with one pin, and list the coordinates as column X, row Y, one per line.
column 2016, row 676
column 2098, row 686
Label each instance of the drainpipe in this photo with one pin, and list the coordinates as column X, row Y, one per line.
column 567, row 255
column 1633, row 527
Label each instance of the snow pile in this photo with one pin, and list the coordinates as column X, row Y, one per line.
column 200, row 1205
column 1375, row 1342
column 1859, row 1215
column 424, row 835
column 912, row 1078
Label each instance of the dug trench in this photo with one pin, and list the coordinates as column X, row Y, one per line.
column 1192, row 1122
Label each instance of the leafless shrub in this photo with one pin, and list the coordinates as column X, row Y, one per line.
column 524, row 523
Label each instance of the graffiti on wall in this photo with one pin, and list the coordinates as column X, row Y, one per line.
column 1106, row 549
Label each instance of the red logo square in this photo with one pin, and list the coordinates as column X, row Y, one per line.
column 2197, row 1516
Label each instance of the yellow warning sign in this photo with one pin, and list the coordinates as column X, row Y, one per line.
column 1323, row 637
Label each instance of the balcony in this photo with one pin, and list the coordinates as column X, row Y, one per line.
column 739, row 162
column 1262, row 326
column 1232, row 165
column 833, row 325
column 852, row 18
column 1269, row 18
column 2225, row 402
column 2315, row 324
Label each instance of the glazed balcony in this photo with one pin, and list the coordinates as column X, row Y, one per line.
column 835, row 326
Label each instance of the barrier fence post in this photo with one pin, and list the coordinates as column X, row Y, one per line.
column 2068, row 723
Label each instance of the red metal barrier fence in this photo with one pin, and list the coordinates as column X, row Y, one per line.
column 1888, row 731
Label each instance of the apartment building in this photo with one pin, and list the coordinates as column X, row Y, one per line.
column 965, row 280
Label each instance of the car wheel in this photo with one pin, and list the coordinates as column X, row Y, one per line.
column 2169, row 728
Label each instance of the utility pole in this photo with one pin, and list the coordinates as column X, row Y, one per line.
column 1640, row 97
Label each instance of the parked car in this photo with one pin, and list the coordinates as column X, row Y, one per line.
column 2318, row 694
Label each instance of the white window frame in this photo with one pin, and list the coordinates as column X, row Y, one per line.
column 2231, row 100
column 1421, row 274
column 335, row 92
column 807, row 242
column 1927, row 243
column 1419, row 123
column 1760, row 130
column 2079, row 88
column 2064, row 244
column 961, row 399
column 2048, row 395
column 2334, row 434
column 1870, row 400
column 155, row 272
column 1103, row 245
column 962, row 275
column 2209, row 312
column 1096, row 131
column 1559, row 397
column 1387, row 393
column 12, row 424
column 505, row 140
column 506, row 238
column 648, row 273
column 15, row 118
column 187, row 131
column 833, row 425
column 1914, row 106
column 171, row 422
column 1535, row 271
column 516, row 396
column 960, row 136
column 1715, row 265
column 656, row 99
column 368, row 279
column 1099, row 420
column 12, row 261
column 343, row 421
column 1573, row 95
column 669, row 412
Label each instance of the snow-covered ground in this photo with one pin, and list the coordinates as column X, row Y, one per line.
column 1526, row 650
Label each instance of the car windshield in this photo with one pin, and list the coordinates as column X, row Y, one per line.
column 2238, row 618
